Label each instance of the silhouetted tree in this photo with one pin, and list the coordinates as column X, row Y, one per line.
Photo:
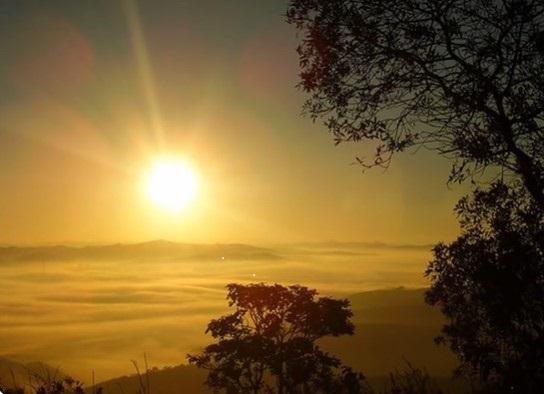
column 268, row 344
column 463, row 78
column 489, row 283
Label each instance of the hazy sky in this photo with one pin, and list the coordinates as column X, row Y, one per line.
column 92, row 92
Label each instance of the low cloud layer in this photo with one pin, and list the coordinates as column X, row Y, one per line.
column 98, row 314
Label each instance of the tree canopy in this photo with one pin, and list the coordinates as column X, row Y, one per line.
column 268, row 344
column 463, row 78
column 489, row 283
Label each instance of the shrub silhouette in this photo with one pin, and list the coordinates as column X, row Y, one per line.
column 64, row 386
column 45, row 380
column 268, row 344
column 411, row 380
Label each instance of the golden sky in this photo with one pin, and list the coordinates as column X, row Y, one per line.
column 93, row 93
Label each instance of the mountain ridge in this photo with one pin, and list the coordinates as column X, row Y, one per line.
column 143, row 250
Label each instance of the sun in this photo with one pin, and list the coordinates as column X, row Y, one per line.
column 171, row 184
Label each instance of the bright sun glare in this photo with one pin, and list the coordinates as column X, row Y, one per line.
column 171, row 184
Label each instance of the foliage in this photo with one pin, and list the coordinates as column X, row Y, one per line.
column 463, row 78
column 268, row 344
column 16, row 390
column 65, row 386
column 489, row 283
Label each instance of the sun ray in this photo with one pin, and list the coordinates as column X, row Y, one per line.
column 145, row 70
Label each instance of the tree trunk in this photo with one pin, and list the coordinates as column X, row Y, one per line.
column 281, row 380
column 531, row 175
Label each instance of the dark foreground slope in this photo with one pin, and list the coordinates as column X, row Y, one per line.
column 392, row 327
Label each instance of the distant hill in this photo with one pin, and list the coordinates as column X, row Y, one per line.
column 392, row 327
column 169, row 380
column 141, row 251
column 363, row 245
column 161, row 249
